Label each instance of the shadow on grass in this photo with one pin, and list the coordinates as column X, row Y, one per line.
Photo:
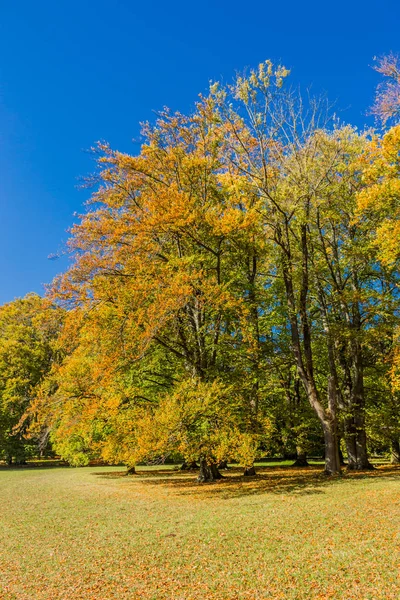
column 269, row 480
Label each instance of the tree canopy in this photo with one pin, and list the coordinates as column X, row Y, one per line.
column 233, row 292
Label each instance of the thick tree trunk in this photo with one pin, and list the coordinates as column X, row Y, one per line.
column 328, row 420
column 395, row 451
column 332, row 460
column 301, row 459
column 131, row 471
column 249, row 471
column 208, row 472
column 215, row 473
column 331, row 433
column 361, row 443
column 357, row 395
column 330, row 428
column 356, row 445
column 204, row 473
column 350, row 439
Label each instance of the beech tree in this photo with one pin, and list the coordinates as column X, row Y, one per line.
column 242, row 265
column 275, row 149
column 168, row 253
column 304, row 172
column 28, row 329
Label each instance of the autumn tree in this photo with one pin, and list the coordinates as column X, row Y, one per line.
column 300, row 168
column 168, row 252
column 28, row 330
column 378, row 205
column 92, row 400
column 232, row 269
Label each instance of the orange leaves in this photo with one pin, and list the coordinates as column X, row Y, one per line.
column 166, row 236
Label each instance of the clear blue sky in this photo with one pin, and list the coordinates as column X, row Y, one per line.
column 72, row 73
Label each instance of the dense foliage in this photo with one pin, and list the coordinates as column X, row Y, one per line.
column 28, row 332
column 233, row 292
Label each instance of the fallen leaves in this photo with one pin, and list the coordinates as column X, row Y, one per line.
column 287, row 534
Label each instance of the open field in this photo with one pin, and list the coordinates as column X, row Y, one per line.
column 91, row 533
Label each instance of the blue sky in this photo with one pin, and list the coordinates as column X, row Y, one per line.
column 72, row 73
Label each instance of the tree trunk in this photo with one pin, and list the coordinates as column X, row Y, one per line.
column 356, row 445
column 131, row 471
column 351, row 447
column 330, row 429
column 357, row 394
column 249, row 471
column 215, row 473
column 395, row 451
column 332, row 461
column 208, row 472
column 361, row 443
column 303, row 349
column 301, row 459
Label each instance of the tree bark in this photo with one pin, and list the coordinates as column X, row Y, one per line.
column 395, row 451
column 215, row 473
column 301, row 459
column 363, row 463
column 357, row 392
column 352, row 398
column 350, row 440
column 207, row 472
column 332, row 460
column 356, row 445
column 131, row 471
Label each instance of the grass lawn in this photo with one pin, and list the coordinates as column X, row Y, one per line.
column 91, row 533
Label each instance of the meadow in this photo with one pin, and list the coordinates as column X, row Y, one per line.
column 94, row 534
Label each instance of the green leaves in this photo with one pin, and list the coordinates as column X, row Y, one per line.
column 28, row 332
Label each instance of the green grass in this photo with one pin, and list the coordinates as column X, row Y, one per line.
column 90, row 533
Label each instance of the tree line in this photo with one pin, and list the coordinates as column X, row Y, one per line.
column 233, row 292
